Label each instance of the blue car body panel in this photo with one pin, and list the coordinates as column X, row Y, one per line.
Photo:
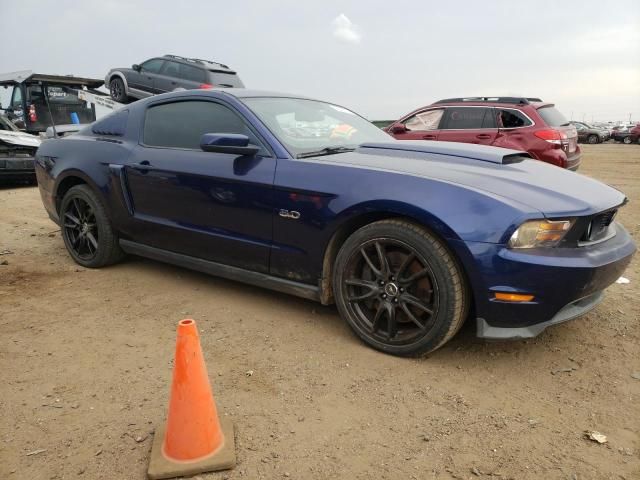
column 228, row 209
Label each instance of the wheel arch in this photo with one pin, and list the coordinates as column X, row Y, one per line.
column 122, row 77
column 348, row 226
column 70, row 179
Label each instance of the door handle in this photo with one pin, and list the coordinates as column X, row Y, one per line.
column 174, row 83
column 429, row 137
column 483, row 136
column 143, row 166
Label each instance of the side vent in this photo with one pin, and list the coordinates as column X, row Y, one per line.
column 114, row 125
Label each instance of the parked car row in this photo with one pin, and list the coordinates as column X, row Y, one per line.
column 631, row 135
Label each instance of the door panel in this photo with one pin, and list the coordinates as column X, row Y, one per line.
column 469, row 125
column 207, row 205
column 215, row 206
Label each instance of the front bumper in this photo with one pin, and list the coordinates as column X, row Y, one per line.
column 565, row 283
column 17, row 167
column 570, row 311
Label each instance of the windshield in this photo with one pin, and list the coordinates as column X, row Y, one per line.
column 305, row 126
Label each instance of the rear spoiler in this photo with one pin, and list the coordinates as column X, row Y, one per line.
column 63, row 130
column 486, row 153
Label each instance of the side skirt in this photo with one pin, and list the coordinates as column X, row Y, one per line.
column 303, row 290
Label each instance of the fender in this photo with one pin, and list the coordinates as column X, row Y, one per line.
column 117, row 73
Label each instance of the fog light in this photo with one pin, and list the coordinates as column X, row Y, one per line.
column 513, row 297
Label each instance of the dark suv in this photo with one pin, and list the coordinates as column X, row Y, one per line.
column 519, row 123
column 168, row 73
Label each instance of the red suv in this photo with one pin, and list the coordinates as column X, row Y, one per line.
column 527, row 124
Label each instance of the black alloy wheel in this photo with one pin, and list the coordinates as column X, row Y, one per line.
column 116, row 90
column 80, row 228
column 86, row 229
column 399, row 288
column 391, row 291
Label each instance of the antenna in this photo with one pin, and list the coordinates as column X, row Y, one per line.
column 45, row 90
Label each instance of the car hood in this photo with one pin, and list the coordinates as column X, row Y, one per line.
column 553, row 191
column 19, row 138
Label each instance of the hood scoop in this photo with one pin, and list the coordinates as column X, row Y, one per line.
column 485, row 153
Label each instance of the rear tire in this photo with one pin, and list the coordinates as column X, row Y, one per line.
column 399, row 288
column 86, row 229
column 117, row 90
column 593, row 139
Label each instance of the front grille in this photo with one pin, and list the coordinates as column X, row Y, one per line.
column 598, row 227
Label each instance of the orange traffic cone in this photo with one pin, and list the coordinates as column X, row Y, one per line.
column 194, row 440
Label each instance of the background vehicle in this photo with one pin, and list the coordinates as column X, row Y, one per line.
column 168, row 73
column 622, row 133
column 634, row 134
column 526, row 124
column 17, row 150
column 28, row 105
column 590, row 134
column 308, row 198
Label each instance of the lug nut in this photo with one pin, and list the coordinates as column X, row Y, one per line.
column 384, row 295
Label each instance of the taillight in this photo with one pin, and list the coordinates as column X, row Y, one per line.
column 205, row 86
column 551, row 135
column 33, row 117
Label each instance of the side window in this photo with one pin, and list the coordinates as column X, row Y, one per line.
column 463, row 118
column 16, row 98
column 171, row 69
column 513, row 119
column 191, row 73
column 181, row 124
column 428, row 120
column 490, row 118
column 152, row 66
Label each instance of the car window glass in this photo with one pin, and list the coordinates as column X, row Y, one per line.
column 490, row 119
column 152, row 66
column 428, row 120
column 189, row 72
column 181, row 124
column 513, row 119
column 16, row 100
column 458, row 118
column 552, row 117
column 171, row 69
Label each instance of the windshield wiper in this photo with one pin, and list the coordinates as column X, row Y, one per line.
column 325, row 151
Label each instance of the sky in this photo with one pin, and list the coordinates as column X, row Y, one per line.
column 381, row 59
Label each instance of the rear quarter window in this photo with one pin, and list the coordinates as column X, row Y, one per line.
column 508, row 118
column 552, row 117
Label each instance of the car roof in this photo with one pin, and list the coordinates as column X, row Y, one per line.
column 206, row 64
column 248, row 93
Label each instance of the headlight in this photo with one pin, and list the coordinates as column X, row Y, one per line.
column 540, row 233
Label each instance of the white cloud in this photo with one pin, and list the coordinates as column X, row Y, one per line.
column 345, row 31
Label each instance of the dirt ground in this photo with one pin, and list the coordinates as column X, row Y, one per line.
column 86, row 358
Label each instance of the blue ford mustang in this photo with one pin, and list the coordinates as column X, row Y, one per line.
column 306, row 197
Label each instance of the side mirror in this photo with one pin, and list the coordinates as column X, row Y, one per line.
column 136, row 67
column 398, row 128
column 227, row 143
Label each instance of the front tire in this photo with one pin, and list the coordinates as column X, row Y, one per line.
column 626, row 140
column 86, row 229
column 399, row 288
column 592, row 139
column 117, row 90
